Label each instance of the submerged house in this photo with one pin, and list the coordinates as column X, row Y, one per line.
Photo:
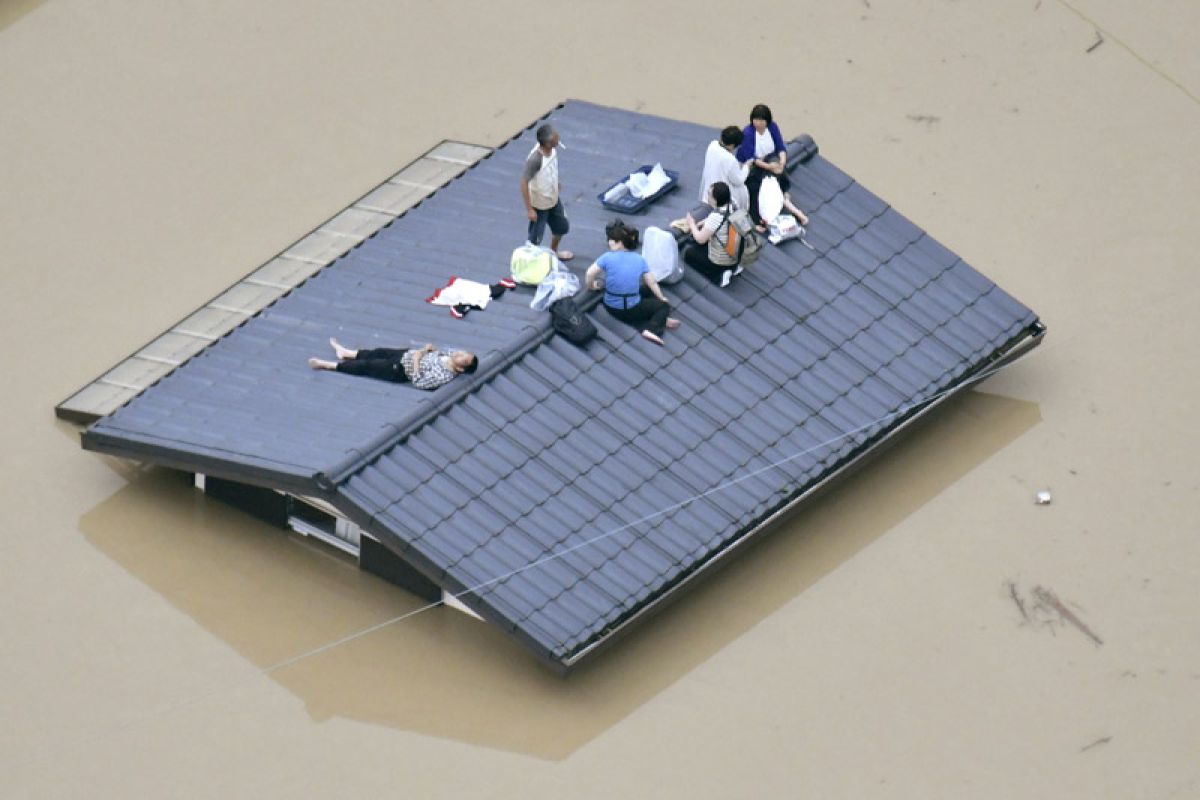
column 560, row 492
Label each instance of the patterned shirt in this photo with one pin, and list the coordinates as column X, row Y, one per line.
column 433, row 370
column 718, row 252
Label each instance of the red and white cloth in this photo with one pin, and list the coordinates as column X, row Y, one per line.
column 464, row 296
column 460, row 291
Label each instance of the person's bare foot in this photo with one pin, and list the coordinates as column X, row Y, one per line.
column 672, row 323
column 651, row 337
column 794, row 210
column 320, row 363
column 343, row 353
column 565, row 255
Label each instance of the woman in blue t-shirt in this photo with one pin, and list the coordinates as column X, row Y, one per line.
column 630, row 292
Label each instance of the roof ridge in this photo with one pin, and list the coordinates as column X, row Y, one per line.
column 804, row 149
column 395, row 433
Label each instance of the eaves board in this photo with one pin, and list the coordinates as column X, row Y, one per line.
column 291, row 478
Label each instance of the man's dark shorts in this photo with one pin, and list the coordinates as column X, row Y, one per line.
column 555, row 217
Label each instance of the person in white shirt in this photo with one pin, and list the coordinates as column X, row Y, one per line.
column 765, row 153
column 720, row 164
column 540, row 189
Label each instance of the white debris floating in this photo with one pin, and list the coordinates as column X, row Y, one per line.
column 1043, row 498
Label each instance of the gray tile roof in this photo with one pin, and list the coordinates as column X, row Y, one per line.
column 564, row 490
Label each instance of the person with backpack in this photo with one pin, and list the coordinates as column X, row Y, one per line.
column 631, row 294
column 764, row 152
column 712, row 253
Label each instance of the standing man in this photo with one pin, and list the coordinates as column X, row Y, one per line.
column 721, row 165
column 540, row 190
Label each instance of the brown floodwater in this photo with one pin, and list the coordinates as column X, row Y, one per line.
column 923, row 629
column 196, row 553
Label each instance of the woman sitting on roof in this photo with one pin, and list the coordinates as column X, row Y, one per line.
column 631, row 293
column 709, row 254
column 424, row 368
column 764, row 151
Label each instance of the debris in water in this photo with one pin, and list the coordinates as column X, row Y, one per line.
column 1099, row 41
column 1042, row 608
column 928, row 120
column 1043, row 498
column 1097, row 743
column 1047, row 600
column 1012, row 590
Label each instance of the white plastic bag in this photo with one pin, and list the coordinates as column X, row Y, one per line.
column 786, row 227
column 662, row 255
column 561, row 282
column 658, row 178
column 616, row 192
column 770, row 199
column 643, row 184
column 639, row 184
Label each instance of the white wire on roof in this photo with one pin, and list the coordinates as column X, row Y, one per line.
column 221, row 691
column 476, row 588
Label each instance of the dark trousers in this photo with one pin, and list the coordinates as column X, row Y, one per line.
column 696, row 257
column 555, row 217
column 649, row 314
column 754, row 182
column 381, row 362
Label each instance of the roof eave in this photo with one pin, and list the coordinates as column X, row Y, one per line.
column 289, row 478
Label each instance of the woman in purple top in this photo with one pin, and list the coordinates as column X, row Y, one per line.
column 630, row 292
column 764, row 150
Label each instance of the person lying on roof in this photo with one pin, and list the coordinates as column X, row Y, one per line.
column 424, row 368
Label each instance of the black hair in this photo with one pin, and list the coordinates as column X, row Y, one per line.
column 762, row 112
column 720, row 193
column 732, row 136
column 546, row 132
column 618, row 231
column 474, row 365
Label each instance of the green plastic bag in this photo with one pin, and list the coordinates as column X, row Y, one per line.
column 531, row 264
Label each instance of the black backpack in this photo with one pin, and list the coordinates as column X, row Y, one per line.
column 571, row 322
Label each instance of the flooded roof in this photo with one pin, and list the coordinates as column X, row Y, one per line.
column 561, row 492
